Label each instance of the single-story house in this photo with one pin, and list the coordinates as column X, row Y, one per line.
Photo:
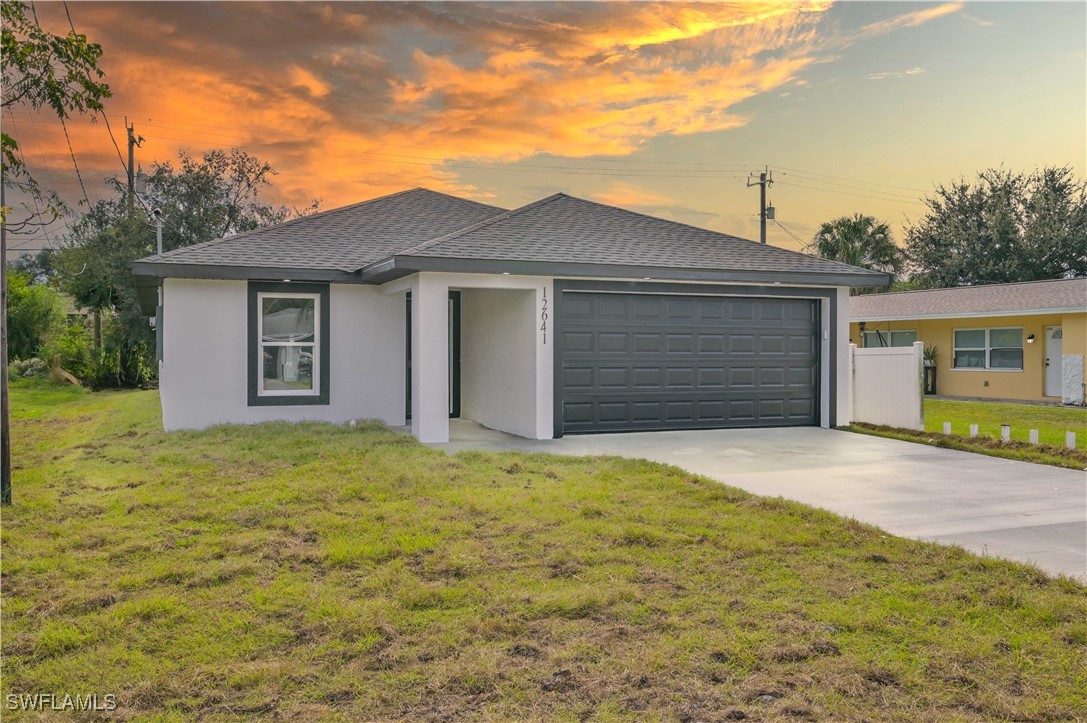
column 560, row 317
column 1001, row 341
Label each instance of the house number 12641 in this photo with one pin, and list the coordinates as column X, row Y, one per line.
column 543, row 314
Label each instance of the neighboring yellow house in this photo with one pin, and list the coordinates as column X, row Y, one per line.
column 1000, row 341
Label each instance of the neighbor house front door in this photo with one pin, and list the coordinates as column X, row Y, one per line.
column 1054, row 343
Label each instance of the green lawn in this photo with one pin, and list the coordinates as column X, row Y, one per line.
column 320, row 572
column 1051, row 422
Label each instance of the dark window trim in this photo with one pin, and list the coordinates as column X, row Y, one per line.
column 255, row 398
column 821, row 295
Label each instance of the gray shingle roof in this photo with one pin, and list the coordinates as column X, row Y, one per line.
column 381, row 239
column 994, row 299
column 343, row 239
column 564, row 229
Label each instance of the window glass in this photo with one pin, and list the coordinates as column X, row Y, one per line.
column 903, row 338
column 969, row 359
column 1006, row 358
column 970, row 339
column 285, row 319
column 1003, row 338
column 288, row 344
column 288, row 368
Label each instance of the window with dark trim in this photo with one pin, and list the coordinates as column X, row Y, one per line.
column 288, row 344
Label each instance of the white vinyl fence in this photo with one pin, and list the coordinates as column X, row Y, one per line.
column 888, row 385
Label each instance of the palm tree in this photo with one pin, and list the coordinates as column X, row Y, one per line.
column 858, row 240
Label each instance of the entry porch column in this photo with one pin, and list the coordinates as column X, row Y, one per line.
column 430, row 359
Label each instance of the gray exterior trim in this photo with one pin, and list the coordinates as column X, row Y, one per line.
column 822, row 295
column 253, row 350
column 398, row 266
column 243, row 273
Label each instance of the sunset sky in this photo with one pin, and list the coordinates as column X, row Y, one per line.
column 663, row 108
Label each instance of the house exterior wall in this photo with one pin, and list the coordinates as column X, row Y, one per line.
column 498, row 360
column 204, row 370
column 1027, row 385
column 507, row 361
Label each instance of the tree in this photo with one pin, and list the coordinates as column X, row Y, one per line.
column 201, row 200
column 95, row 270
column 858, row 240
column 39, row 70
column 34, row 312
column 1003, row 227
column 216, row 195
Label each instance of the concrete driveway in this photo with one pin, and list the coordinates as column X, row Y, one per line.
column 1016, row 510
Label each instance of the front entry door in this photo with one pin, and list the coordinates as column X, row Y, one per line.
column 1054, row 347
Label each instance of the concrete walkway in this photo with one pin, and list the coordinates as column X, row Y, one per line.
column 1017, row 510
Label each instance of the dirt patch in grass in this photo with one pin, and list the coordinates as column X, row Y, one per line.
column 318, row 572
column 1012, row 449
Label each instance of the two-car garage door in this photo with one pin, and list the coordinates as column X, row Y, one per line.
column 654, row 361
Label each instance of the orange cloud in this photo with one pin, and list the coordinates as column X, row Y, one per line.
column 353, row 100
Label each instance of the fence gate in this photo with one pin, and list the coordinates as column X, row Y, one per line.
column 888, row 385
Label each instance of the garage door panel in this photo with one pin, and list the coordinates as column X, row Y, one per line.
column 635, row 361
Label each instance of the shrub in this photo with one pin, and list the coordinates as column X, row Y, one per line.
column 34, row 312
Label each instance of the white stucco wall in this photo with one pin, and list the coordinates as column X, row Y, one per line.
column 498, row 359
column 842, row 384
column 204, row 370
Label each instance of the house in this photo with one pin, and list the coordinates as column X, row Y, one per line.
column 1001, row 341
column 560, row 317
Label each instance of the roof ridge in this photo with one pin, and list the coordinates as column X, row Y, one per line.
column 885, row 294
column 431, row 243
column 775, row 249
column 319, row 214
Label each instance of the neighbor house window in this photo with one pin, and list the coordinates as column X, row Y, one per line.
column 889, row 338
column 288, row 344
column 988, row 349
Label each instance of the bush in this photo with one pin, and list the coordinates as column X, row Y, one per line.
column 28, row 369
column 34, row 312
column 70, row 349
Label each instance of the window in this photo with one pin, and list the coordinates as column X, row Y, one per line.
column 988, row 349
column 288, row 344
column 889, row 338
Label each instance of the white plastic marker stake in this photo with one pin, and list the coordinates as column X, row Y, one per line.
column 973, row 430
column 1070, row 440
column 947, row 427
column 1034, row 436
column 1005, row 432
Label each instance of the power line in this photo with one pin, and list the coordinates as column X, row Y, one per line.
column 855, row 188
column 784, row 228
column 185, row 127
column 855, row 180
column 846, row 193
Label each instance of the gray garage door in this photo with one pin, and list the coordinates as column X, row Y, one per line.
column 645, row 362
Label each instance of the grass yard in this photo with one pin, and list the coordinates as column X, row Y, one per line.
column 1051, row 423
column 318, row 572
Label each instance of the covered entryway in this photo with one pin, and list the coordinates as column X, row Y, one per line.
column 646, row 361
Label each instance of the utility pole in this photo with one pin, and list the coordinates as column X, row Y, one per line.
column 133, row 143
column 5, row 411
column 766, row 178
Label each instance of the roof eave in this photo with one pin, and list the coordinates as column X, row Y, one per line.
column 399, row 266
column 968, row 314
column 257, row 273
